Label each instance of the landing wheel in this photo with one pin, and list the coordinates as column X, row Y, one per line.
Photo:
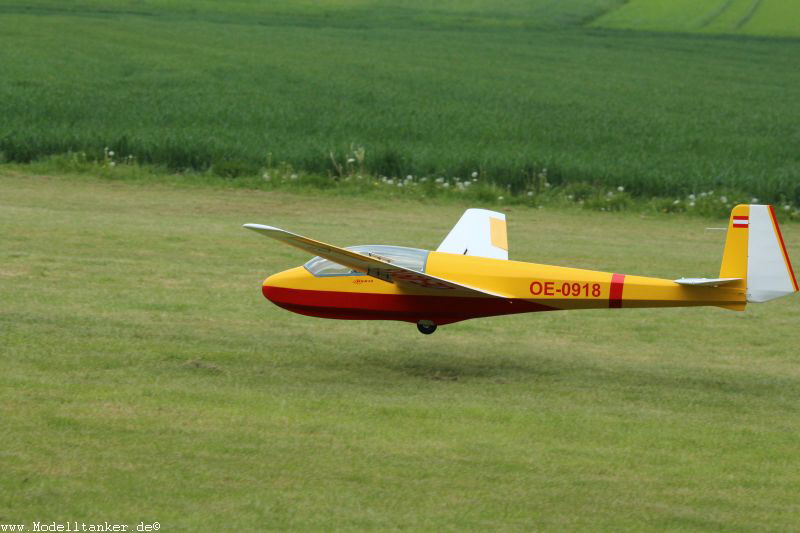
column 426, row 327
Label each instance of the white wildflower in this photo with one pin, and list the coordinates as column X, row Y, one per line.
column 530, row 193
column 111, row 153
column 351, row 160
column 475, row 174
column 753, row 200
column 500, row 198
column 409, row 177
column 621, row 188
column 692, row 197
column 723, row 199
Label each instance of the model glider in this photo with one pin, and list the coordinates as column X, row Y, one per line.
column 469, row 276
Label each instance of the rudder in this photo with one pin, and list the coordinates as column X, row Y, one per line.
column 769, row 271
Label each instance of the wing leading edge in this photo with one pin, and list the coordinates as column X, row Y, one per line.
column 372, row 265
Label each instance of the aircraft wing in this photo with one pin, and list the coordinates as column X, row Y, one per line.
column 371, row 264
column 478, row 232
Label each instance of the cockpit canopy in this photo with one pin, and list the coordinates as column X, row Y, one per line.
column 411, row 258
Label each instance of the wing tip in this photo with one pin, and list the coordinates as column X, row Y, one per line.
column 705, row 282
column 260, row 227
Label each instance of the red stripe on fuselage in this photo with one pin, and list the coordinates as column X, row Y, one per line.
column 406, row 307
column 615, row 293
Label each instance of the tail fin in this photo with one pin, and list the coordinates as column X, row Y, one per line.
column 755, row 252
column 478, row 232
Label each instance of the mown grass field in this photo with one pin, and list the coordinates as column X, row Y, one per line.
column 505, row 89
column 146, row 379
column 746, row 17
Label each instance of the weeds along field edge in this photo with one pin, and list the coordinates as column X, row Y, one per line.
column 351, row 180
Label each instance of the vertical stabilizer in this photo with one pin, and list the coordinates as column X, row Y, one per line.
column 734, row 257
column 478, row 232
column 755, row 252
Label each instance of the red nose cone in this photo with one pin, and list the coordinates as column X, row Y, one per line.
column 270, row 287
column 269, row 292
column 279, row 288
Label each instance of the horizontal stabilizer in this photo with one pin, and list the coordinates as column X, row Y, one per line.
column 706, row 282
column 370, row 265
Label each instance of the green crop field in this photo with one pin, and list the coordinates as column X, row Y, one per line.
column 504, row 89
column 776, row 18
column 145, row 379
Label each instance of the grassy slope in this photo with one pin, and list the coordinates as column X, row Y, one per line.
column 774, row 18
column 144, row 378
column 444, row 92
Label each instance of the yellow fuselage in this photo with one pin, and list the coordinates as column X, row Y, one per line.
column 526, row 286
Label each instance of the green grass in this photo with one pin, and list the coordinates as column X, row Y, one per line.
column 505, row 89
column 343, row 13
column 773, row 18
column 146, row 379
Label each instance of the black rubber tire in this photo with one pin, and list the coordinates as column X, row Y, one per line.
column 426, row 329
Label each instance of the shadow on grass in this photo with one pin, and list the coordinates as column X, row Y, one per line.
column 692, row 383
column 457, row 367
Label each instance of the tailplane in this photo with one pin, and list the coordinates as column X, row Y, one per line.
column 755, row 252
